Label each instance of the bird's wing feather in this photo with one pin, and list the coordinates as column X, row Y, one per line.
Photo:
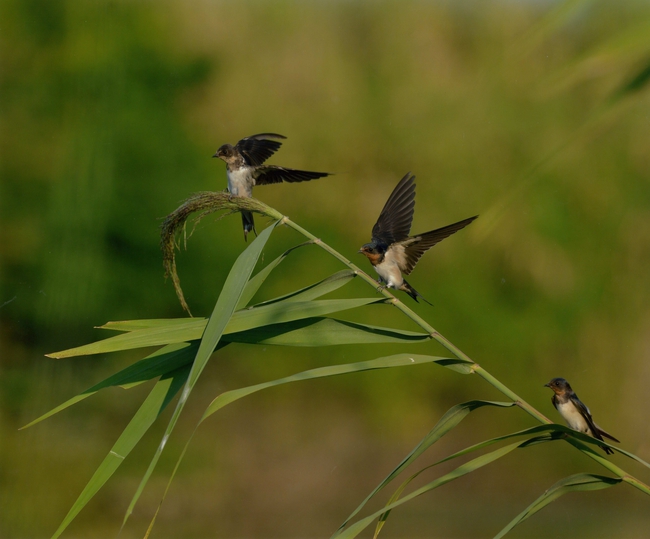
column 268, row 174
column 605, row 434
column 586, row 414
column 416, row 246
column 394, row 222
column 258, row 148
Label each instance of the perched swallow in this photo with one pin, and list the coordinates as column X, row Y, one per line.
column 575, row 413
column 392, row 251
column 245, row 168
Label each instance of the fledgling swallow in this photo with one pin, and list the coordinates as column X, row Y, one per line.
column 392, row 251
column 245, row 169
column 575, row 412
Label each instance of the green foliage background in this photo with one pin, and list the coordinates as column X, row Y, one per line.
column 525, row 113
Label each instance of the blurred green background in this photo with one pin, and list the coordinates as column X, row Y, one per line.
column 527, row 113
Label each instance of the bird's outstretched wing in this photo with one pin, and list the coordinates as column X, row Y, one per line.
column 268, row 174
column 416, row 246
column 395, row 219
column 258, row 148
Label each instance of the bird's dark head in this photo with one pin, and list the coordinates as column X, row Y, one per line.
column 225, row 152
column 559, row 385
column 373, row 252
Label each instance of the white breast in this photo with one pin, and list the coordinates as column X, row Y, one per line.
column 240, row 183
column 389, row 271
column 573, row 417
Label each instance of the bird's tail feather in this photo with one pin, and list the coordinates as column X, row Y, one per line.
column 249, row 224
column 413, row 292
column 606, row 434
column 599, row 433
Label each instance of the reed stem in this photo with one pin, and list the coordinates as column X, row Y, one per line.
column 476, row 368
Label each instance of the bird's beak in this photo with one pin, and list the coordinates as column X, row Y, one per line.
column 547, row 385
column 216, row 155
column 360, row 251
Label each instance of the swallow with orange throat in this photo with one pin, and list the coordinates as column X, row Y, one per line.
column 575, row 412
column 394, row 253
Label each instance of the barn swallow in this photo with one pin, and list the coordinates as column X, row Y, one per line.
column 245, row 168
column 575, row 413
column 392, row 251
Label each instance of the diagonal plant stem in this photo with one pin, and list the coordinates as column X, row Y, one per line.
column 207, row 202
column 476, row 368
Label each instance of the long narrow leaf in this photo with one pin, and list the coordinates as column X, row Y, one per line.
column 557, row 431
column 584, row 438
column 310, row 331
column 462, row 470
column 548, row 432
column 553, row 431
column 240, row 321
column 190, row 329
column 577, row 482
column 133, row 325
column 288, row 311
column 402, row 487
column 254, row 284
column 159, row 363
column 446, row 423
column 223, row 310
column 313, row 291
column 320, row 331
column 539, row 434
column 158, row 398
column 398, row 360
column 316, row 290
